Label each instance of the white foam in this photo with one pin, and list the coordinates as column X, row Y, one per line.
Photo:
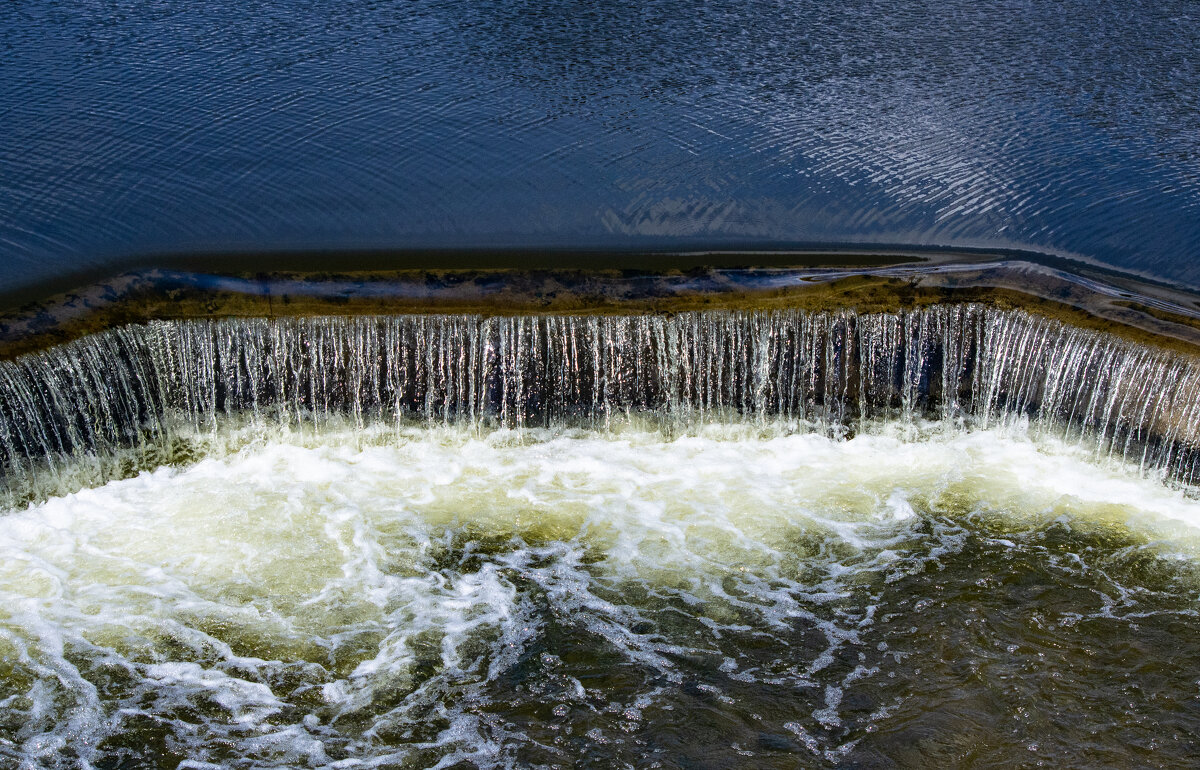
column 205, row 584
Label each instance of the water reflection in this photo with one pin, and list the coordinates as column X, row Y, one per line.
column 140, row 129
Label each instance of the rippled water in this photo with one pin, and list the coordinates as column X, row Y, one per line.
column 128, row 129
column 740, row 596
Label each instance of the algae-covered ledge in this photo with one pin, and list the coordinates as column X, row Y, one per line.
column 1147, row 314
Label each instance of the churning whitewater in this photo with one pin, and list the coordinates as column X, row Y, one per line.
column 741, row 595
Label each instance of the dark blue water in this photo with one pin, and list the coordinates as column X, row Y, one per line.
column 134, row 129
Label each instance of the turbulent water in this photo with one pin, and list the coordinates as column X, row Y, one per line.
column 134, row 397
column 718, row 539
column 743, row 596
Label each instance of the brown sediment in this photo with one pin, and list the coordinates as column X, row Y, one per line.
column 1145, row 314
column 1159, row 313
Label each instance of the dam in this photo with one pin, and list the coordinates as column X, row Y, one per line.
column 539, row 384
column 137, row 390
column 513, row 538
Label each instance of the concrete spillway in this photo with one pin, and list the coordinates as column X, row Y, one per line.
column 137, row 387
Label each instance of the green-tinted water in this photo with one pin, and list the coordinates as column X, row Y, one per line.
column 739, row 597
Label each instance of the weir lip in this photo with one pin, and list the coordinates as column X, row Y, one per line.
column 1138, row 310
column 111, row 377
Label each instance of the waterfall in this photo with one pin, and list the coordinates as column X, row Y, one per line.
column 88, row 403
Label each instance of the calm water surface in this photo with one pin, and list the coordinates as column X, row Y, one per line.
column 129, row 129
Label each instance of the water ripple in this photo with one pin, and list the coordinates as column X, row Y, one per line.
column 130, row 129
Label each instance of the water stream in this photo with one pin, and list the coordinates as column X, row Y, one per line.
column 955, row 535
column 85, row 412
